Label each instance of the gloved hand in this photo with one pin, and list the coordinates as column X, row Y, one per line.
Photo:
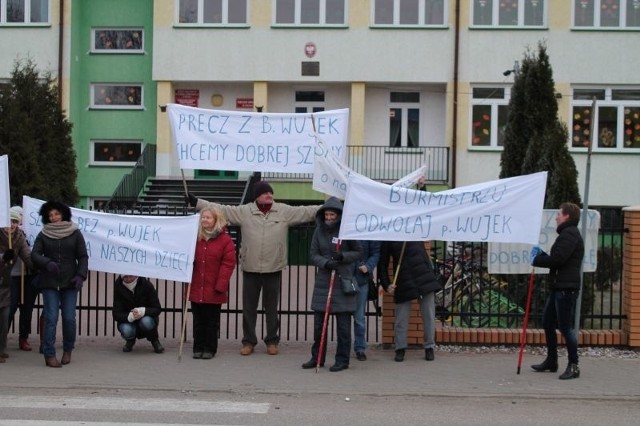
column 53, row 267
column 190, row 199
column 332, row 264
column 339, row 256
column 77, row 282
column 534, row 253
column 8, row 255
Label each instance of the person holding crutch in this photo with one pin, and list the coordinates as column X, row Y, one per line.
column 332, row 258
column 564, row 262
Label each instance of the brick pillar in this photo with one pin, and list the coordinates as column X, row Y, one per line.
column 631, row 275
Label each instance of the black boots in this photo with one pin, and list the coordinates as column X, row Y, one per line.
column 399, row 355
column 549, row 364
column 128, row 346
column 158, row 348
column 572, row 372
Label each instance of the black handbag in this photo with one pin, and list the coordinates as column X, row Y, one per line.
column 349, row 285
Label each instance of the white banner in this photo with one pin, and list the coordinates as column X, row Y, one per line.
column 515, row 258
column 251, row 141
column 5, row 196
column 330, row 174
column 505, row 210
column 148, row 246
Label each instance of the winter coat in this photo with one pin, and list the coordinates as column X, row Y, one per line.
column 370, row 258
column 416, row 277
column 565, row 258
column 70, row 253
column 215, row 261
column 323, row 249
column 21, row 250
column 144, row 295
column 264, row 236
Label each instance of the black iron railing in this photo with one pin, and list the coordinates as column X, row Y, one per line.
column 127, row 191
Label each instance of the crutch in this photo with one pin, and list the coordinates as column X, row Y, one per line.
column 523, row 338
column 325, row 321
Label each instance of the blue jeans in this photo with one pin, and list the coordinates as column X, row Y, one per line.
column 359, row 320
column 343, row 330
column 54, row 300
column 144, row 327
column 559, row 311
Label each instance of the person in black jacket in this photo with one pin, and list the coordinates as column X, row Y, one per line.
column 136, row 310
column 416, row 280
column 564, row 264
column 60, row 254
column 334, row 258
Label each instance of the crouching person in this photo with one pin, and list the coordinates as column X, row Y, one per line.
column 136, row 310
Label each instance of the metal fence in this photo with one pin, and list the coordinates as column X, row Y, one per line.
column 483, row 300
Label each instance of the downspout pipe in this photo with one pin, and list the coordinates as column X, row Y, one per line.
column 60, row 51
column 454, row 115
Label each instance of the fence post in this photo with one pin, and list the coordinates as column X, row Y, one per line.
column 631, row 275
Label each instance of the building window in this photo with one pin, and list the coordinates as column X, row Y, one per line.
column 115, row 153
column 112, row 40
column 212, row 12
column 116, row 96
column 404, row 119
column 509, row 13
column 616, row 122
column 489, row 107
column 409, row 12
column 308, row 101
column 24, row 12
column 310, row 12
column 606, row 13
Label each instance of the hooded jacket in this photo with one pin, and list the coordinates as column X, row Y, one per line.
column 416, row 277
column 324, row 248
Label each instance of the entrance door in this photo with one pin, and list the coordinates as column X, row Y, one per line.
column 216, row 174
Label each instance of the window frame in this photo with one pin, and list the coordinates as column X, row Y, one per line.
column 98, row 163
column 94, row 106
column 495, row 104
column 309, row 106
column 224, row 18
column 421, row 16
column 27, row 14
column 298, row 15
column 608, row 102
column 495, row 15
column 96, row 30
column 597, row 24
column 405, row 106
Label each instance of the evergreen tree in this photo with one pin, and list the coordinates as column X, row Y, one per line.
column 36, row 135
column 535, row 139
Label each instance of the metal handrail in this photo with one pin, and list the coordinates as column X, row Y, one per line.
column 127, row 191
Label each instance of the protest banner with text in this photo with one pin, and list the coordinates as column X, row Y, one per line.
column 505, row 258
column 148, row 246
column 5, row 195
column 251, row 141
column 330, row 174
column 505, row 210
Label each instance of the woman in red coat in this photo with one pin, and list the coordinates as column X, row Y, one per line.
column 215, row 261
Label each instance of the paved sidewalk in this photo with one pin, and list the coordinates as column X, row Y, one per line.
column 100, row 363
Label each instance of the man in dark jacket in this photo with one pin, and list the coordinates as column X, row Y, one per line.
column 136, row 309
column 415, row 280
column 564, row 263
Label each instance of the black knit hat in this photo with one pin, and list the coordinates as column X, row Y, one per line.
column 261, row 187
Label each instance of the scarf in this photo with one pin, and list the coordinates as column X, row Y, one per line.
column 59, row 230
column 130, row 286
column 264, row 208
column 207, row 235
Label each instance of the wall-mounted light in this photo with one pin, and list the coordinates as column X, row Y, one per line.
column 259, row 108
column 163, row 108
column 514, row 70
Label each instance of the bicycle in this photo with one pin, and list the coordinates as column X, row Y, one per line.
column 471, row 297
